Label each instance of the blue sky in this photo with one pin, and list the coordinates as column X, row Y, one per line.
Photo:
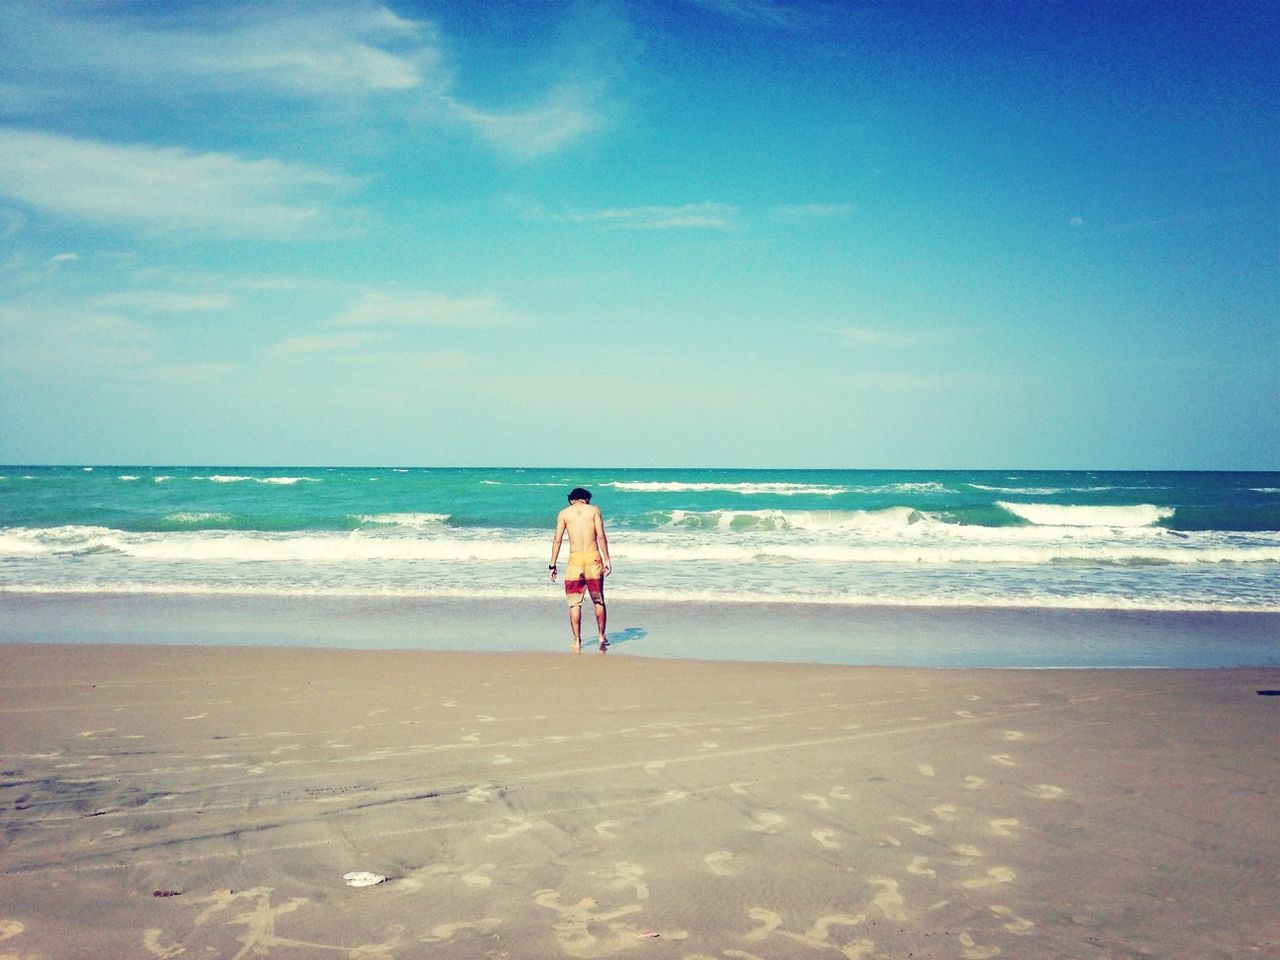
column 680, row 233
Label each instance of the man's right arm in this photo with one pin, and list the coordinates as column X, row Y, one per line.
column 556, row 540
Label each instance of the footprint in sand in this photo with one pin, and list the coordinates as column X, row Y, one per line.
column 1003, row 759
column 916, row 827
column 1019, row 925
column 944, row 812
column 513, row 826
column 1002, row 827
column 197, row 716
column 479, row 795
column 994, row 876
column 739, row 788
column 1011, row 734
column 973, row 783
column 888, row 901
column 1046, row 791
column 10, row 929
column 716, row 863
column 824, row 838
column 604, row 829
column 965, row 714
column 471, row 738
column 768, row 823
column 499, row 759
column 626, row 875
column 820, row 801
column 972, row 696
column 710, row 745
column 917, row 868
column 444, row 932
column 840, row 794
column 150, row 943
column 972, row 951
column 968, row 852
column 671, row 796
column 476, row 879
column 925, row 770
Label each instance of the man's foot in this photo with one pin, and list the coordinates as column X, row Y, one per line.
column 604, row 644
column 576, row 646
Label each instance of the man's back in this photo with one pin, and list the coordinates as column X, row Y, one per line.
column 581, row 522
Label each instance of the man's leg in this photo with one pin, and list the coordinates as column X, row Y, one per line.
column 574, row 590
column 601, row 617
column 575, row 624
column 596, row 589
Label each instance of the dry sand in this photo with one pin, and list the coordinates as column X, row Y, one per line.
column 204, row 802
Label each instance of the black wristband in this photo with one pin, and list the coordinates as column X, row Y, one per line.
column 551, row 566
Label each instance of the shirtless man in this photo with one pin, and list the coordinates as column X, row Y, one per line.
column 588, row 561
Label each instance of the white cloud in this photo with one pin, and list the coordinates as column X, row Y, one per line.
column 278, row 48
column 762, row 12
column 532, row 132
column 811, row 211
column 689, row 216
column 343, row 53
column 881, row 337
column 165, row 301
column 423, row 307
column 318, row 343
column 169, row 188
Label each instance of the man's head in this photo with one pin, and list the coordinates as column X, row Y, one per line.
column 578, row 495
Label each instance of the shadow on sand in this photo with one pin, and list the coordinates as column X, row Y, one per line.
column 627, row 635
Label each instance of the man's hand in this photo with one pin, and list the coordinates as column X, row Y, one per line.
column 608, row 567
column 553, row 573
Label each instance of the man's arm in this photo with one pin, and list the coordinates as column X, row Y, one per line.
column 603, row 542
column 555, row 544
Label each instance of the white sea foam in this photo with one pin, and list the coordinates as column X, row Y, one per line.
column 403, row 519
column 682, row 595
column 1265, row 489
column 126, row 476
column 233, row 478
column 198, row 516
column 675, row 486
column 1060, row 515
column 163, row 479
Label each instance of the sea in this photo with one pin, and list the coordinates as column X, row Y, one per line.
column 1052, row 540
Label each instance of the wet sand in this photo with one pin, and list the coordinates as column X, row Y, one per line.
column 167, row 801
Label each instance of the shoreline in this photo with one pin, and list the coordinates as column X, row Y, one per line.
column 946, row 637
column 208, row 801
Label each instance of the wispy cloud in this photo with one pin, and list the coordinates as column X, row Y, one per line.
column 283, row 48
column 796, row 212
column 345, row 52
column 717, row 216
column 883, row 337
column 524, row 134
column 169, row 188
column 165, row 301
column 761, row 12
column 318, row 343
column 426, row 308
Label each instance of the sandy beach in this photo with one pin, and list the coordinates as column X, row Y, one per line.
column 207, row 801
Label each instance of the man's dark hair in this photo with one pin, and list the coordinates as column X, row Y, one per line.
column 577, row 493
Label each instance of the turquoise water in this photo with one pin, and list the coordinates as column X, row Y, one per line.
column 1057, row 540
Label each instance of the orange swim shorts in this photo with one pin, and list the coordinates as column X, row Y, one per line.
column 584, row 573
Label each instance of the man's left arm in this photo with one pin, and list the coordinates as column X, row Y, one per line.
column 603, row 542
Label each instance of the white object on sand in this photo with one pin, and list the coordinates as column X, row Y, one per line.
column 362, row 878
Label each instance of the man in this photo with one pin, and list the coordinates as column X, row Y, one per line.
column 588, row 561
